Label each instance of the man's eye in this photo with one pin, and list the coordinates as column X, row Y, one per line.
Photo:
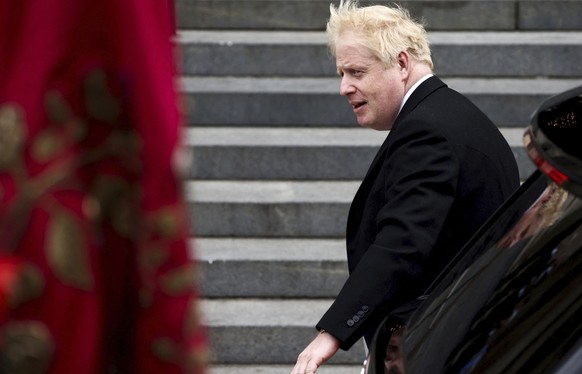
column 353, row 73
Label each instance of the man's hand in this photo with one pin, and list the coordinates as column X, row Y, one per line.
column 321, row 349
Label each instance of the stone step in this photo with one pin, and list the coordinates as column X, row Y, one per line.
column 255, row 153
column 266, row 331
column 270, row 209
column 271, row 267
column 438, row 15
column 252, row 101
column 303, row 54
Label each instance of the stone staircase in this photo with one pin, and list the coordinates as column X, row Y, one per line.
column 278, row 154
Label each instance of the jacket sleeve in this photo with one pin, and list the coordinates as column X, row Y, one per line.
column 411, row 199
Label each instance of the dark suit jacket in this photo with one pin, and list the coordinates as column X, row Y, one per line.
column 441, row 172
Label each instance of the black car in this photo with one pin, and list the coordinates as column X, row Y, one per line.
column 511, row 300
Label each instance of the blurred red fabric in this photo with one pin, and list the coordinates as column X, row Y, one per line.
column 93, row 222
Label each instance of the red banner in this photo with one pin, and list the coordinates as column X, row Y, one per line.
column 97, row 273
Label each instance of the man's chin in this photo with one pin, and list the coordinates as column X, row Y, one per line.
column 373, row 126
column 362, row 122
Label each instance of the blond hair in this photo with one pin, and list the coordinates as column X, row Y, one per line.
column 383, row 30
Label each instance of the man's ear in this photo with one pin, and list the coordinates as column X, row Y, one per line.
column 403, row 60
column 404, row 64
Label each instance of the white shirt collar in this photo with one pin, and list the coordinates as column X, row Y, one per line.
column 411, row 90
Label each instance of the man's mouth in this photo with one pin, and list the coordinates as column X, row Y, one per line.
column 357, row 105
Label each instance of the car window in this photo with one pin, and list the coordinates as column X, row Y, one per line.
column 532, row 319
column 454, row 327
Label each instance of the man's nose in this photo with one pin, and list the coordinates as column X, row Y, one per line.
column 346, row 87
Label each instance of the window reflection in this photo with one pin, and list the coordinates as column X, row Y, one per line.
column 542, row 213
column 394, row 360
column 526, row 291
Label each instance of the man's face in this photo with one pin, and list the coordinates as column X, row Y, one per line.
column 374, row 91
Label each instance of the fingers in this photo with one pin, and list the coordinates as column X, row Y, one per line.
column 311, row 368
column 321, row 349
column 306, row 362
column 305, row 367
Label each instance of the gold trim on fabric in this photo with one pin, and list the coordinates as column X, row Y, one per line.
column 178, row 281
column 197, row 358
column 57, row 108
column 155, row 256
column 67, row 251
column 165, row 349
column 28, row 286
column 27, row 347
column 12, row 133
column 193, row 318
column 166, row 222
column 99, row 101
column 115, row 200
column 91, row 208
column 46, row 145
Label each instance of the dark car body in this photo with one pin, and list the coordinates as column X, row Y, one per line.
column 511, row 301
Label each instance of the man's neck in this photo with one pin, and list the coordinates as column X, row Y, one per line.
column 417, row 72
column 411, row 89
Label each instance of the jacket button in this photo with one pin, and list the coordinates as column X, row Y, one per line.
column 361, row 314
column 365, row 308
column 355, row 318
column 350, row 322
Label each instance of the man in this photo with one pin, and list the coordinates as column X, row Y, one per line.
column 442, row 170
